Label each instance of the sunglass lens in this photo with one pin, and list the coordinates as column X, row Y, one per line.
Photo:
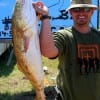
column 76, row 9
column 87, row 9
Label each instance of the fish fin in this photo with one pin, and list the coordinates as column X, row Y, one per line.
column 26, row 43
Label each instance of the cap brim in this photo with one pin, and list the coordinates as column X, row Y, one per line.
column 82, row 5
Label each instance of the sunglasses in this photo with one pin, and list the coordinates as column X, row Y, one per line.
column 79, row 9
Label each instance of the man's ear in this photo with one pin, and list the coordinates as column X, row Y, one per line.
column 92, row 11
column 70, row 12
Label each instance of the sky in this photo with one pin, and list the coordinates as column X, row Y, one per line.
column 55, row 6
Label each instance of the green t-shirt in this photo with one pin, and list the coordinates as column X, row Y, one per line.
column 79, row 64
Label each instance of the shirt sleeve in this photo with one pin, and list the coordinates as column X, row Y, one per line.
column 60, row 40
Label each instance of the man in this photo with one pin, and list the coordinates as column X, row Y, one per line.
column 78, row 51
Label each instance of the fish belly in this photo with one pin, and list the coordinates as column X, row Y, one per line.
column 24, row 25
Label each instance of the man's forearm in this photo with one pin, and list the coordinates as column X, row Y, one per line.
column 47, row 45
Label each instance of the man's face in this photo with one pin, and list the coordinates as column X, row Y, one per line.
column 81, row 16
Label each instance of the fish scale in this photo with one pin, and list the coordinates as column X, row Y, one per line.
column 26, row 45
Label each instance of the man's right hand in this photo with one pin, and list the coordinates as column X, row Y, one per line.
column 40, row 8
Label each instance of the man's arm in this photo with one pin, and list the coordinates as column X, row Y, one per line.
column 47, row 44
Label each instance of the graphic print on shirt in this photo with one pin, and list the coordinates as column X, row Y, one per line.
column 88, row 57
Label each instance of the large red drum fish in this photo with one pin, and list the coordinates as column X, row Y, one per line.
column 26, row 45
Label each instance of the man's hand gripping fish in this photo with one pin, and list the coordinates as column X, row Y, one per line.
column 26, row 44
